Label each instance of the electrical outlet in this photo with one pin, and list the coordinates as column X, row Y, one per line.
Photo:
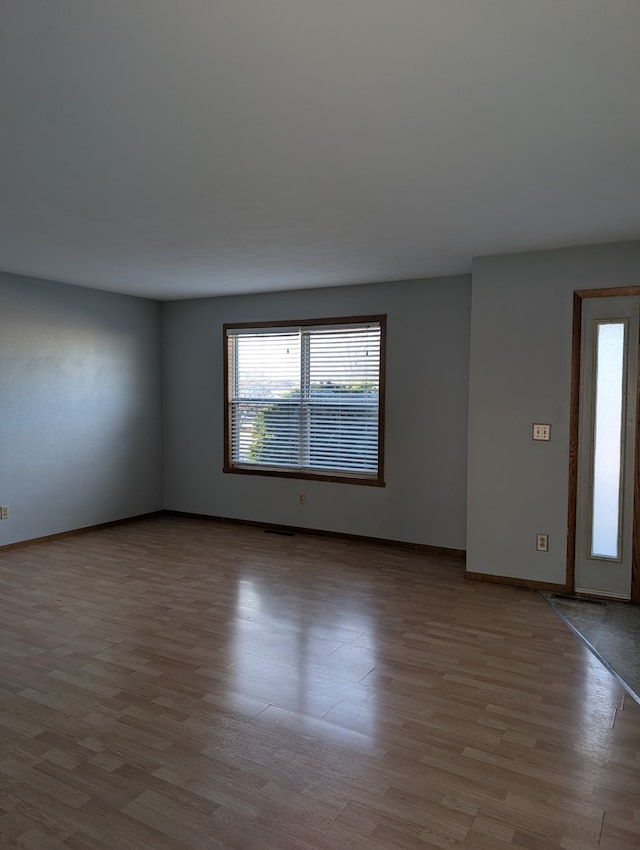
column 542, row 542
column 4, row 512
column 301, row 498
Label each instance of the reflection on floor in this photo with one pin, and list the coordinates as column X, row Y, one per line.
column 185, row 684
column 611, row 630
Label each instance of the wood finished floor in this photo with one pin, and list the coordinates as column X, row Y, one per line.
column 176, row 684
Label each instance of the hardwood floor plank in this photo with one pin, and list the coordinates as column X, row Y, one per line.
column 177, row 684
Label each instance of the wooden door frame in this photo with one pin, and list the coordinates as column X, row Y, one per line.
column 574, row 422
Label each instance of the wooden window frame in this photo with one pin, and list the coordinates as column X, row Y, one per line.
column 346, row 478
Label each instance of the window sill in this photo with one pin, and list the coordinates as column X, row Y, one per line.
column 336, row 477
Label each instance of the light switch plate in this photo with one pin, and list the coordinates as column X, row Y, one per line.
column 541, row 432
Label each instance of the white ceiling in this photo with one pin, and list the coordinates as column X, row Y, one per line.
column 179, row 148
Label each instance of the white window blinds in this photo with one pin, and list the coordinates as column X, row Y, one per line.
column 305, row 398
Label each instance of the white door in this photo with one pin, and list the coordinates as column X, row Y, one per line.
column 607, row 437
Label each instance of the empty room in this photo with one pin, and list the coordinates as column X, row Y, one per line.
column 319, row 417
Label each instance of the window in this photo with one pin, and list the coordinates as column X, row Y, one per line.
column 306, row 399
column 608, row 401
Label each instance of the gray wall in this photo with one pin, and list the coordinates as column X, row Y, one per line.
column 81, row 416
column 80, row 407
column 521, row 320
column 424, row 500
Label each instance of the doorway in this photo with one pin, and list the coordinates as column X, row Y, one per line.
column 604, row 500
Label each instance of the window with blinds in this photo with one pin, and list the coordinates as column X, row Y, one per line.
column 305, row 399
